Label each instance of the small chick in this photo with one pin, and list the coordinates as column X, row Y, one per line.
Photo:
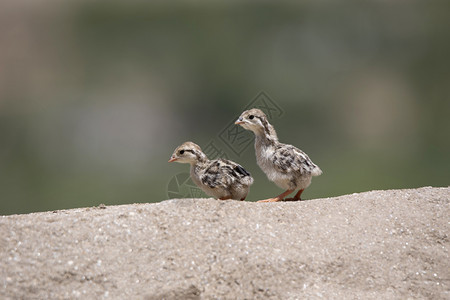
column 290, row 168
column 221, row 178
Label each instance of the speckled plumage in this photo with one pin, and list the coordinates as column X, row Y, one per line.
column 220, row 178
column 287, row 166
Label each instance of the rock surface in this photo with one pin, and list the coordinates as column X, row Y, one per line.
column 374, row 245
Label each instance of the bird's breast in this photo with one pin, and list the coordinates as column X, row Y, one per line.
column 195, row 176
column 263, row 158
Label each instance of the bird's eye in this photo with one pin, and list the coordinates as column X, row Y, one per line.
column 181, row 152
column 251, row 117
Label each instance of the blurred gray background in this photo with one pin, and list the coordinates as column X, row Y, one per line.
column 96, row 95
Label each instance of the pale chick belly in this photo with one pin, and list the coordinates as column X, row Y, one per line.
column 213, row 192
column 287, row 181
column 236, row 193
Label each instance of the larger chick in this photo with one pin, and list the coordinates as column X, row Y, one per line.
column 289, row 167
column 221, row 178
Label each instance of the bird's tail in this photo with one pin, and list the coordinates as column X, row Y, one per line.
column 247, row 180
column 316, row 171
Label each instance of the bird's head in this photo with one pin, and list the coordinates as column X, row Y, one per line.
column 252, row 119
column 187, row 153
column 256, row 120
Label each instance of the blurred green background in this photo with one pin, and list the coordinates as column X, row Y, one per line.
column 96, row 95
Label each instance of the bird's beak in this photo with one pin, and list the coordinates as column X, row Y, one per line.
column 172, row 159
column 239, row 121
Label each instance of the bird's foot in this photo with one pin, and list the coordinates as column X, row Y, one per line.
column 297, row 196
column 277, row 198
column 271, row 200
column 292, row 199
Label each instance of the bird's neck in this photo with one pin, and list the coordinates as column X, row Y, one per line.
column 200, row 158
column 199, row 163
column 266, row 136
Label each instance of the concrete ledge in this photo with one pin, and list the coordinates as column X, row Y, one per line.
column 374, row 245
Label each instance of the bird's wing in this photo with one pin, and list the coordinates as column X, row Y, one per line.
column 234, row 169
column 212, row 176
column 223, row 173
column 235, row 173
column 289, row 159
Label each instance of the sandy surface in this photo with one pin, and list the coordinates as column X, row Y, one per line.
column 374, row 245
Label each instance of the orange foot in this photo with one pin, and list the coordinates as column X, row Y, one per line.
column 296, row 197
column 277, row 198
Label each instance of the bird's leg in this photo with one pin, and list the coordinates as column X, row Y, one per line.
column 296, row 197
column 243, row 199
column 225, row 198
column 280, row 197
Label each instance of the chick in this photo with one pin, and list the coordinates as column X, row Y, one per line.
column 290, row 168
column 221, row 178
